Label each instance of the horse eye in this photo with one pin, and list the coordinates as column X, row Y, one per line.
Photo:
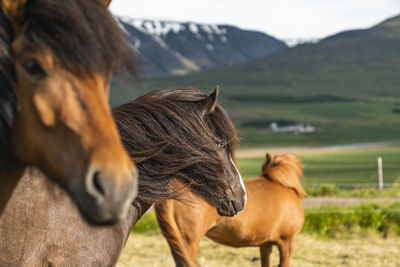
column 221, row 144
column 33, row 67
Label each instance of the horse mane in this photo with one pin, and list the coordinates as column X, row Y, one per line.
column 83, row 35
column 285, row 170
column 170, row 139
column 7, row 93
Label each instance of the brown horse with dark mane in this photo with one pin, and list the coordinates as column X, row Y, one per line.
column 273, row 215
column 176, row 136
column 56, row 63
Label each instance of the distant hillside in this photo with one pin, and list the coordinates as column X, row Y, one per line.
column 172, row 48
column 347, row 86
column 352, row 63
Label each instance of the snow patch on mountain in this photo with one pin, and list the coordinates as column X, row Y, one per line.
column 174, row 48
column 162, row 28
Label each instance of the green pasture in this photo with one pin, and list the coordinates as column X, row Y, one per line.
column 338, row 121
column 335, row 122
column 346, row 169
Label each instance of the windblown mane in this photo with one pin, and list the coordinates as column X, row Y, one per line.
column 285, row 170
column 169, row 138
column 82, row 35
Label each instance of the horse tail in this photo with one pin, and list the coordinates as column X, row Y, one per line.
column 285, row 170
column 166, row 221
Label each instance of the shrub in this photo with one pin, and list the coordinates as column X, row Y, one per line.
column 331, row 190
column 323, row 190
column 333, row 221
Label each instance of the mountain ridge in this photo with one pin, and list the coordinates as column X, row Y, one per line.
column 176, row 48
column 355, row 63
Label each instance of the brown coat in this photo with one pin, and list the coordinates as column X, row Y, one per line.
column 273, row 215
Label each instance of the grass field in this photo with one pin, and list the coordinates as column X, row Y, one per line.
column 152, row 250
column 345, row 169
column 337, row 122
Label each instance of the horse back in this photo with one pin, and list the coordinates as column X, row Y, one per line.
column 278, row 203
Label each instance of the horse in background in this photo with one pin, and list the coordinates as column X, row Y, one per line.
column 174, row 135
column 56, row 63
column 273, row 215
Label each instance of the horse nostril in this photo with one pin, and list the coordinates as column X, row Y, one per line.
column 237, row 206
column 233, row 206
column 97, row 184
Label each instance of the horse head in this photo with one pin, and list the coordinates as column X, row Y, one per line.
column 225, row 143
column 64, row 54
column 183, row 135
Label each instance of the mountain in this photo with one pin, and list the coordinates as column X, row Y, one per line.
column 351, row 64
column 173, row 48
column 347, row 86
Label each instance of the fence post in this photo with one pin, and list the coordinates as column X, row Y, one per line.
column 380, row 173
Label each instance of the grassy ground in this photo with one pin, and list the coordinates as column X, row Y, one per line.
column 152, row 250
column 336, row 122
column 341, row 168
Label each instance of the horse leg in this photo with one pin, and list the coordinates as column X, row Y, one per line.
column 265, row 252
column 177, row 242
column 191, row 247
column 286, row 248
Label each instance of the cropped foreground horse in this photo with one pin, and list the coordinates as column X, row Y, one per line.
column 56, row 63
column 273, row 215
column 177, row 135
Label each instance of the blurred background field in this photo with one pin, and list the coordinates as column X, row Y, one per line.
column 372, row 119
column 150, row 249
column 343, row 169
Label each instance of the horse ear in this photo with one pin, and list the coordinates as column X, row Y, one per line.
column 107, row 2
column 15, row 10
column 267, row 162
column 208, row 104
column 268, row 158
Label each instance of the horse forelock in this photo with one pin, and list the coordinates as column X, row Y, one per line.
column 285, row 170
column 169, row 138
column 7, row 92
column 83, row 35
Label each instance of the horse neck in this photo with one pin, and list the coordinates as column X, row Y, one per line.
column 11, row 171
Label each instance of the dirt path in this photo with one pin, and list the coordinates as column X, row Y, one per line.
column 318, row 202
column 260, row 152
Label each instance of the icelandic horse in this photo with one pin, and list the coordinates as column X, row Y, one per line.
column 174, row 136
column 273, row 215
column 56, row 63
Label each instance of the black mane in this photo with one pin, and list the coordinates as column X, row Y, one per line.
column 7, row 93
column 82, row 34
column 168, row 138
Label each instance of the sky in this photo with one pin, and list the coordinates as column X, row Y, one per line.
column 284, row 19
